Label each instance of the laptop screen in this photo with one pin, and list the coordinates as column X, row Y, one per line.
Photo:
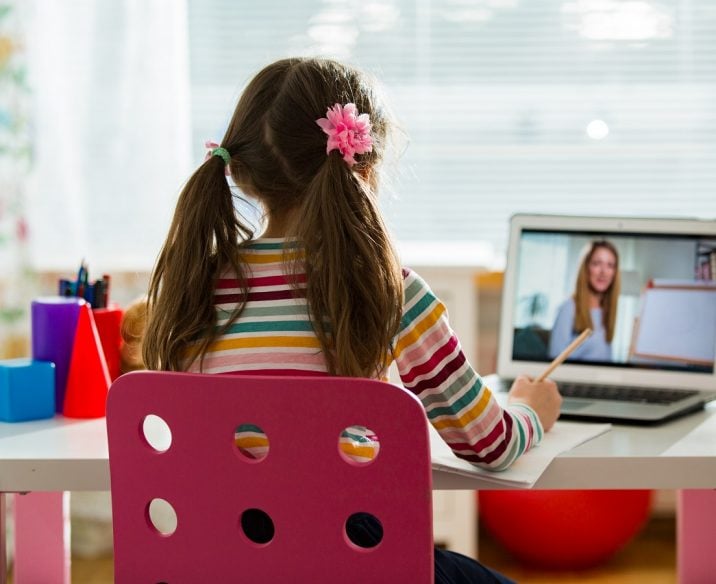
column 649, row 296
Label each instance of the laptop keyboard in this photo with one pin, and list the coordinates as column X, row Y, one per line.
column 629, row 394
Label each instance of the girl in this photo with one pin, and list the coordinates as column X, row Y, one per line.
column 593, row 305
column 321, row 292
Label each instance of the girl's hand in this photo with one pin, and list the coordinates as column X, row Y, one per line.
column 543, row 397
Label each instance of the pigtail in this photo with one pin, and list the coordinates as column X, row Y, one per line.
column 200, row 244
column 354, row 282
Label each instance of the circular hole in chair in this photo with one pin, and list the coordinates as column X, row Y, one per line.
column 251, row 442
column 364, row 530
column 358, row 445
column 257, row 526
column 161, row 516
column 157, row 433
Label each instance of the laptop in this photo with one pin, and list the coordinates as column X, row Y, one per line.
column 652, row 285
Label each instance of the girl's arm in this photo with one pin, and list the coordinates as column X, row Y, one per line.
column 459, row 405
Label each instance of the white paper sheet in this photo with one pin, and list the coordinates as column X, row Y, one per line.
column 529, row 467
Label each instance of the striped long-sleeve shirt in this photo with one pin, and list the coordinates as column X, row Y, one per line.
column 273, row 335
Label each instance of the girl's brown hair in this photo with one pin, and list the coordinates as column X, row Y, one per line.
column 354, row 284
column 609, row 301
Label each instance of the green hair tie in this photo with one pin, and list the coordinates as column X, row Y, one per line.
column 223, row 153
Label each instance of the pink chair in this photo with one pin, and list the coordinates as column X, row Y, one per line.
column 304, row 486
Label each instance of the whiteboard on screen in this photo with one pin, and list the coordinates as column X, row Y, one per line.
column 678, row 324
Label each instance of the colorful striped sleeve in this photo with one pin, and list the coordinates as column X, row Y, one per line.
column 459, row 405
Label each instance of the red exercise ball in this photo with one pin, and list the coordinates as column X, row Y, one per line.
column 563, row 529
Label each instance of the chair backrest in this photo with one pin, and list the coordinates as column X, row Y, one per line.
column 304, row 484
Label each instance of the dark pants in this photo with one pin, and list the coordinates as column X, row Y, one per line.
column 450, row 567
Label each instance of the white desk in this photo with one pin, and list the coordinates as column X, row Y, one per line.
column 71, row 455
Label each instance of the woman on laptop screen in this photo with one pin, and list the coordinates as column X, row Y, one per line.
column 593, row 305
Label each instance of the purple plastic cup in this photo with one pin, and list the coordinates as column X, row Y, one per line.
column 54, row 322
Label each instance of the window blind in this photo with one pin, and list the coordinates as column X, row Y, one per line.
column 579, row 106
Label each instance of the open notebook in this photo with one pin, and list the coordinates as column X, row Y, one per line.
column 655, row 360
column 525, row 471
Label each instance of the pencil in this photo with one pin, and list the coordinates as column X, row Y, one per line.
column 564, row 354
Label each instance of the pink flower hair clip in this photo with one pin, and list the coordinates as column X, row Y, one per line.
column 347, row 131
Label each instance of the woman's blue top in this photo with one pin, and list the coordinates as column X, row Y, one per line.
column 595, row 348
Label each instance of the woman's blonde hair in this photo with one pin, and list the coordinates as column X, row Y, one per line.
column 583, row 318
column 354, row 284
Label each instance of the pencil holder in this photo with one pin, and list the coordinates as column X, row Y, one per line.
column 54, row 322
column 108, row 321
column 88, row 378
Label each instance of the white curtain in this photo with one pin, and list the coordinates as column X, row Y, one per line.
column 111, row 130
